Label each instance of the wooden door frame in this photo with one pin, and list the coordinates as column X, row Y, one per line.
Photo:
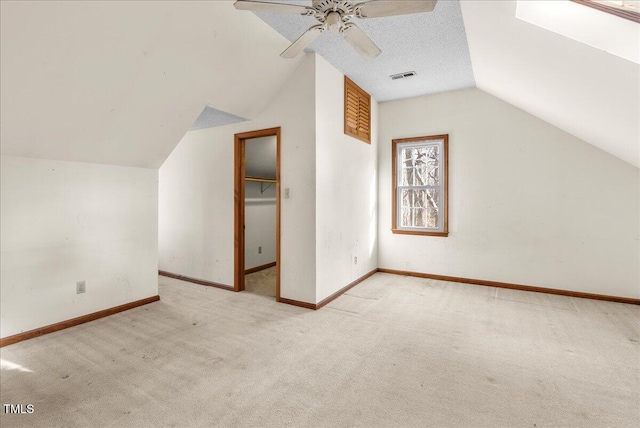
column 239, row 192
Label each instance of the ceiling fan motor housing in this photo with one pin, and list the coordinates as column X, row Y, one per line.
column 333, row 12
column 324, row 6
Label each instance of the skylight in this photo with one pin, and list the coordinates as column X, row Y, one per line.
column 589, row 25
column 623, row 8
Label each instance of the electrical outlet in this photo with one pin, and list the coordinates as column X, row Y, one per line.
column 259, row 250
column 355, row 260
column 81, row 287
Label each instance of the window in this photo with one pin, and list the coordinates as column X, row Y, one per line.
column 420, row 185
column 357, row 111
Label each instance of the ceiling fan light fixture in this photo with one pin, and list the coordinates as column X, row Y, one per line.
column 334, row 21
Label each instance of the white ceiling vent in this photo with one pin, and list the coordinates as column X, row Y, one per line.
column 403, row 75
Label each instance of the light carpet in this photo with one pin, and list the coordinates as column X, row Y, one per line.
column 262, row 282
column 393, row 352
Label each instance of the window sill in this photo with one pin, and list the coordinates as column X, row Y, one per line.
column 419, row 232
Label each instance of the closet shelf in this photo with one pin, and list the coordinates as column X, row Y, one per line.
column 260, row 200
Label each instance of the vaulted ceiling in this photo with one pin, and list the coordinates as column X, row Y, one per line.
column 121, row 82
column 583, row 90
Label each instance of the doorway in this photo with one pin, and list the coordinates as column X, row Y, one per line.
column 254, row 171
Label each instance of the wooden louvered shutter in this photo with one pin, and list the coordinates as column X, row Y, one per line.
column 357, row 111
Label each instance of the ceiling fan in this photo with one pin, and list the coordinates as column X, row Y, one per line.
column 336, row 15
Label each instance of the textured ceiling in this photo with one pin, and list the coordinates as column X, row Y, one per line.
column 434, row 45
column 211, row 117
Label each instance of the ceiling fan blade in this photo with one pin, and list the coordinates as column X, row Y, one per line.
column 303, row 41
column 379, row 8
column 360, row 41
column 263, row 6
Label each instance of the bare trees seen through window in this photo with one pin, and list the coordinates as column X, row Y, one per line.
column 420, row 186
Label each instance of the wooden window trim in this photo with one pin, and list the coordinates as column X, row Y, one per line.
column 622, row 13
column 394, row 191
column 363, row 97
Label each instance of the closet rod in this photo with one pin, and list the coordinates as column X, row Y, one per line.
column 260, row 180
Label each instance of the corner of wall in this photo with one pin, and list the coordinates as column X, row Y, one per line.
column 63, row 222
column 346, row 190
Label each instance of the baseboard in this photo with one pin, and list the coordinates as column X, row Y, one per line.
column 298, row 303
column 10, row 340
column 259, row 268
column 344, row 289
column 195, row 280
column 629, row 300
column 330, row 298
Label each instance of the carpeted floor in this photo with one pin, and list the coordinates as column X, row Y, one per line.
column 262, row 282
column 393, row 352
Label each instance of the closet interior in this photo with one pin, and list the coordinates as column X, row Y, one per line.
column 260, row 183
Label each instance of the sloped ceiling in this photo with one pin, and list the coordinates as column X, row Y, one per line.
column 582, row 90
column 585, row 91
column 121, row 82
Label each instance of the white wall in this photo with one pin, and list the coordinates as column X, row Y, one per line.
column 196, row 193
column 195, row 235
column 529, row 203
column 346, row 189
column 330, row 218
column 63, row 222
column 260, row 224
